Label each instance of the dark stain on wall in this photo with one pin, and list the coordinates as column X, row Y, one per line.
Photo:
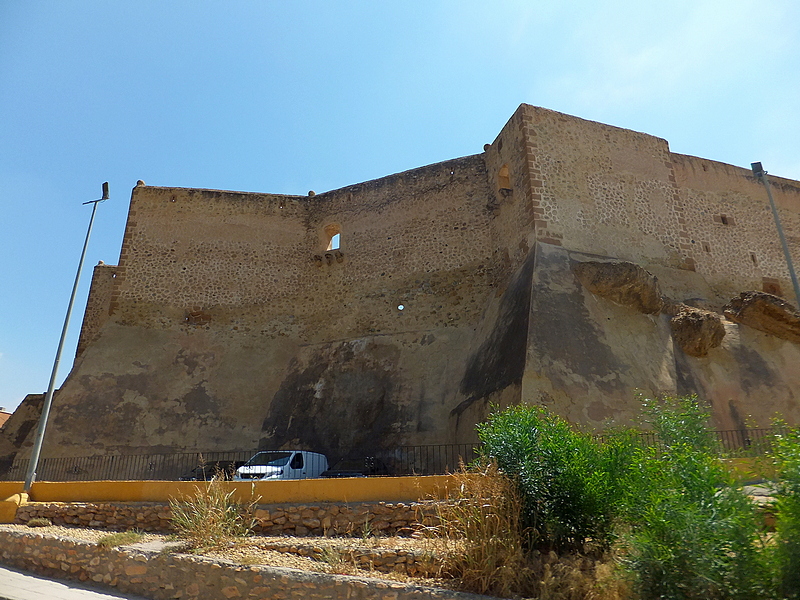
column 736, row 416
column 754, row 372
column 686, row 383
column 500, row 360
column 569, row 336
column 340, row 399
column 198, row 401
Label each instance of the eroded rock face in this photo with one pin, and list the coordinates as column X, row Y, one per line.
column 624, row 283
column 766, row 313
column 697, row 331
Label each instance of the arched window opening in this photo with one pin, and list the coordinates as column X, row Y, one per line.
column 334, row 234
column 504, row 178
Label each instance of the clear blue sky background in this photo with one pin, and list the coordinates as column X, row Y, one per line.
column 288, row 97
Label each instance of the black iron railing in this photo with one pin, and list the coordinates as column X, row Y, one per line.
column 405, row 460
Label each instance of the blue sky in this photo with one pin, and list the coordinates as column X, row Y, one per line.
column 288, row 97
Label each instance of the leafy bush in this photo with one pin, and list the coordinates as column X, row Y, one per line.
column 693, row 534
column 568, row 482
column 671, row 510
column 787, row 541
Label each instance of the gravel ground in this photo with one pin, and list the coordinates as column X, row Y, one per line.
column 251, row 551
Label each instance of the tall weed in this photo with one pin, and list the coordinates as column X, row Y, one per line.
column 479, row 525
column 210, row 517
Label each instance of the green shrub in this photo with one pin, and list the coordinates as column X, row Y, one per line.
column 568, row 482
column 787, row 538
column 692, row 533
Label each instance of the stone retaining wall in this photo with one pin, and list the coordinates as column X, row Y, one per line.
column 385, row 560
column 385, row 518
column 186, row 577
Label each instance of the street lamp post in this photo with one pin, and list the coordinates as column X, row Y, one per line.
column 48, row 399
column 761, row 174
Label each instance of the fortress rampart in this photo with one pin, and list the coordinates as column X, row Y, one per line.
column 233, row 320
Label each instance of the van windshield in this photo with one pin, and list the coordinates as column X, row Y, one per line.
column 272, row 459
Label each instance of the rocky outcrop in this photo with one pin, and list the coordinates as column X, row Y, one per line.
column 697, row 331
column 766, row 313
column 622, row 282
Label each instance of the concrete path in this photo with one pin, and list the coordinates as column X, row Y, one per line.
column 20, row 585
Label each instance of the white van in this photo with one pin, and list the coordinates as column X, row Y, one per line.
column 282, row 464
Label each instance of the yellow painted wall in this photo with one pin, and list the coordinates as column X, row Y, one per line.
column 9, row 488
column 373, row 489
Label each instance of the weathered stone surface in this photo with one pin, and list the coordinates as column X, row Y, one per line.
column 170, row 576
column 228, row 319
column 766, row 313
column 621, row 282
column 697, row 331
column 397, row 518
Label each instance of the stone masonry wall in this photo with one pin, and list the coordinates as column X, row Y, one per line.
column 240, row 263
column 732, row 230
column 231, row 325
column 229, row 322
column 383, row 518
column 97, row 306
column 178, row 576
column 603, row 189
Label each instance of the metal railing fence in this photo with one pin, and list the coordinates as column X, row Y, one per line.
column 405, row 460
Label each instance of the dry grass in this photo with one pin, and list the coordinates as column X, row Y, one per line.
column 577, row 577
column 120, row 538
column 39, row 522
column 210, row 517
column 478, row 534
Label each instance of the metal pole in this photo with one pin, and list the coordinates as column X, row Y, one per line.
column 759, row 172
column 48, row 399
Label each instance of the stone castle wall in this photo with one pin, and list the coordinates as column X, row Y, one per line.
column 608, row 191
column 732, row 230
column 97, row 306
column 244, row 259
column 229, row 324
